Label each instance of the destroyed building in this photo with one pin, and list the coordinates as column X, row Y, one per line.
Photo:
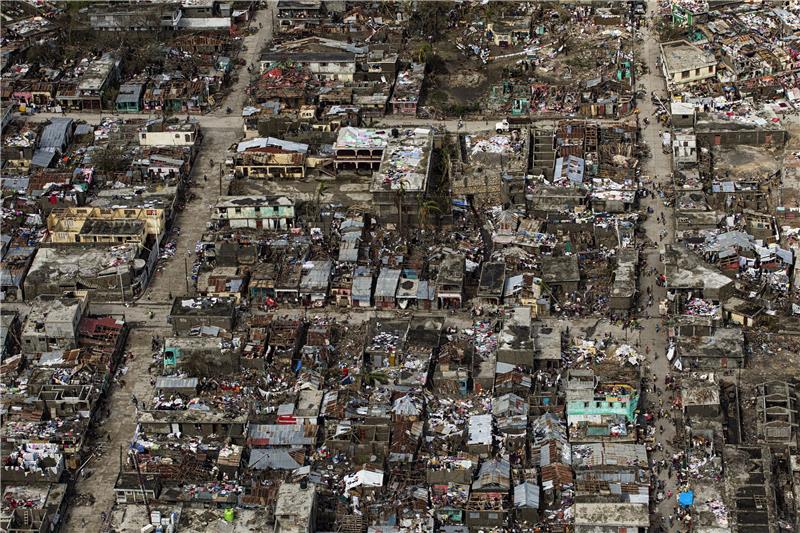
column 438, row 274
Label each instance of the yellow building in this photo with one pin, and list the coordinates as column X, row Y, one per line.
column 90, row 225
column 683, row 63
column 268, row 157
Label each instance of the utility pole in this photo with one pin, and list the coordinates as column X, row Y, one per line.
column 132, row 454
column 633, row 52
column 186, row 273
column 121, row 287
column 220, row 179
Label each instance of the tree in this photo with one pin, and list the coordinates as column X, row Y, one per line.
column 373, row 378
column 109, row 159
column 73, row 17
column 139, row 58
column 44, row 53
column 399, row 197
column 445, row 161
column 494, row 11
column 426, row 209
column 424, row 52
column 429, row 17
column 322, row 189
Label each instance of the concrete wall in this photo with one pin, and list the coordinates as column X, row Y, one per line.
column 167, row 138
column 752, row 137
column 693, row 75
column 182, row 325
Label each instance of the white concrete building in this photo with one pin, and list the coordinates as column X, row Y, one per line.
column 685, row 63
column 160, row 132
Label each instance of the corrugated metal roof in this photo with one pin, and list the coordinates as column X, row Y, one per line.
column 329, row 402
column 43, row 157
column 348, row 248
column 425, row 291
column 317, row 276
column 276, row 459
column 9, row 279
column 509, row 403
column 83, row 129
column 362, row 287
column 54, row 134
column 407, row 406
column 130, row 93
column 167, row 382
column 526, row 495
column 598, row 454
column 282, row 435
column 263, row 142
column 354, row 226
column 387, row 283
column 493, row 472
column 18, row 184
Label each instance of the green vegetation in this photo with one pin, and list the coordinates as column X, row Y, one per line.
column 109, row 159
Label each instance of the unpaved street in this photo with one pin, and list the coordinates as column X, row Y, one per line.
column 659, row 168
column 220, row 130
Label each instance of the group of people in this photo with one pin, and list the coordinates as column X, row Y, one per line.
column 664, row 468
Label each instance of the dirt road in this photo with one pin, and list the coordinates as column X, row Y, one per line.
column 220, row 130
column 659, row 168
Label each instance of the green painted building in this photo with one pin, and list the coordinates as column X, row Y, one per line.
column 623, row 400
column 681, row 16
column 129, row 99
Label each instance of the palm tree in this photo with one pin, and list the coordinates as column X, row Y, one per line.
column 322, row 189
column 72, row 17
column 399, row 196
column 445, row 161
column 371, row 378
column 425, row 210
column 424, row 51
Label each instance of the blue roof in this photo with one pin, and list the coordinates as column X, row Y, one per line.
column 83, row 129
column 43, row 157
column 130, row 93
column 574, row 168
column 18, row 184
column 55, row 134
column 270, row 458
column 526, row 495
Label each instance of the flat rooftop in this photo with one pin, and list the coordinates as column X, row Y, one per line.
column 68, row 263
column 406, row 162
column 210, row 306
column 560, row 269
column 686, row 270
column 718, row 122
column 724, row 343
column 680, row 55
column 492, row 278
column 96, row 73
column 611, row 514
column 507, row 152
column 743, row 162
column 364, row 138
column 132, row 198
column 252, row 201
column 98, row 226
